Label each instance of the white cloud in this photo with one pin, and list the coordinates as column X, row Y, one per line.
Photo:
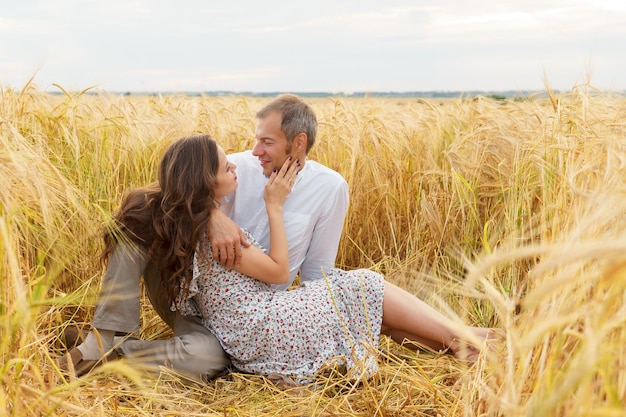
column 194, row 79
column 245, row 45
column 545, row 25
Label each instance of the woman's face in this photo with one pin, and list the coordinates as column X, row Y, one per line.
column 226, row 176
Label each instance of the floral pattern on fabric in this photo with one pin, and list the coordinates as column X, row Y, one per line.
column 335, row 320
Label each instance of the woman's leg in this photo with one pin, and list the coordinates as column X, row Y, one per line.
column 412, row 341
column 407, row 318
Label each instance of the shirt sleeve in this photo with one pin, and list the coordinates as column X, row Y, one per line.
column 322, row 251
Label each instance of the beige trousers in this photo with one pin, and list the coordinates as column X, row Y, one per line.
column 194, row 352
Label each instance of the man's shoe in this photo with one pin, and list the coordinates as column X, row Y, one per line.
column 72, row 336
column 73, row 362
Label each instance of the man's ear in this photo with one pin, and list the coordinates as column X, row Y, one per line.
column 300, row 141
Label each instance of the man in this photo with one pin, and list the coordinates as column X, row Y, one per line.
column 314, row 214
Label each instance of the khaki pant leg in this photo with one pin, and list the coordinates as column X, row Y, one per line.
column 193, row 351
column 118, row 302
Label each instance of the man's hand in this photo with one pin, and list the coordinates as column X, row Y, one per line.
column 226, row 239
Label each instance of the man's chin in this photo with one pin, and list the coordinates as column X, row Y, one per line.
column 267, row 170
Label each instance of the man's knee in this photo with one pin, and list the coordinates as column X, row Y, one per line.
column 200, row 352
column 200, row 344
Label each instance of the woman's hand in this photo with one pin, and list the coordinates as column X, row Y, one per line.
column 273, row 267
column 280, row 183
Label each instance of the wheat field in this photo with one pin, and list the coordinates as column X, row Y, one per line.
column 508, row 213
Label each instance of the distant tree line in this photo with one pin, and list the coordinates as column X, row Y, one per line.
column 517, row 95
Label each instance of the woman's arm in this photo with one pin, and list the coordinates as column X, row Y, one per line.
column 272, row 268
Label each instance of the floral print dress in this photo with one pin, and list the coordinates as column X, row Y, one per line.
column 335, row 320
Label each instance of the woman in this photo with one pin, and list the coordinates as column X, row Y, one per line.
column 265, row 331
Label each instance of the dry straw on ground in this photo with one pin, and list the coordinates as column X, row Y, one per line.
column 507, row 213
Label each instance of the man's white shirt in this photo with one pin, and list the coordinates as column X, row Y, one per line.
column 314, row 213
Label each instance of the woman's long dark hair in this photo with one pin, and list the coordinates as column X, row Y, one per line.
column 168, row 217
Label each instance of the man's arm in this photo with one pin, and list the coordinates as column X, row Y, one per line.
column 226, row 239
column 322, row 251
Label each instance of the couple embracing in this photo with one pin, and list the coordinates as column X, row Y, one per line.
column 218, row 240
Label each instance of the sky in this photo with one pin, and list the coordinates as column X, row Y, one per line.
column 316, row 46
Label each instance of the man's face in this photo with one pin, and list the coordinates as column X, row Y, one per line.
column 271, row 145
